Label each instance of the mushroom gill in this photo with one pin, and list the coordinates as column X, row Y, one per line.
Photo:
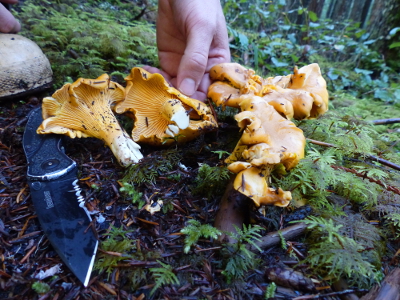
column 161, row 112
column 83, row 109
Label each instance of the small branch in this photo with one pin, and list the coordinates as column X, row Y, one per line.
column 318, row 296
column 386, row 121
column 384, row 162
column 315, row 142
column 364, row 176
column 274, row 238
column 370, row 157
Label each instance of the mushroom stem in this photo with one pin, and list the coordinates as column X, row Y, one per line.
column 125, row 149
column 233, row 210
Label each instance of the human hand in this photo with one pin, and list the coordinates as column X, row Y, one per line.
column 191, row 38
column 8, row 24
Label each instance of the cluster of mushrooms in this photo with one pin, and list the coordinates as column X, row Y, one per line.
column 86, row 108
column 269, row 137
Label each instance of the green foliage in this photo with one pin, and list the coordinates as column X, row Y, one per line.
column 344, row 51
column 389, row 208
column 283, row 240
column 336, row 254
column 116, row 242
column 89, row 39
column 195, row 230
column 270, row 291
column 221, row 153
column 163, row 276
column 238, row 259
column 136, row 197
column 40, row 287
column 151, row 167
column 121, row 248
column 314, row 178
column 211, row 180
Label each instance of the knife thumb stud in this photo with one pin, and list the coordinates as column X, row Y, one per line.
column 36, row 185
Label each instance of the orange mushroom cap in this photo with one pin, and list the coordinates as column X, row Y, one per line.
column 268, row 139
column 251, row 181
column 161, row 111
column 262, row 124
column 301, row 95
column 309, row 79
column 83, row 109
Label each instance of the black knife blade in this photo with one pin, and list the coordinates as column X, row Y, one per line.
column 52, row 178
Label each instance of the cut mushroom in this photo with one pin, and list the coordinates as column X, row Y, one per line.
column 83, row 109
column 161, row 112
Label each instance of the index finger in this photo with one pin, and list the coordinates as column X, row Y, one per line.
column 194, row 60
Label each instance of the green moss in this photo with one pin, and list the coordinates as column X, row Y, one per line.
column 87, row 40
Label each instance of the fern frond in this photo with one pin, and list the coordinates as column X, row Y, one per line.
column 195, row 230
column 163, row 276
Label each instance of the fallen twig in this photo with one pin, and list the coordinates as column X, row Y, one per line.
column 370, row 157
column 328, row 294
column 364, row 176
column 386, row 121
column 27, row 255
column 274, row 238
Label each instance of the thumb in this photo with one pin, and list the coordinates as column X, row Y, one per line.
column 194, row 61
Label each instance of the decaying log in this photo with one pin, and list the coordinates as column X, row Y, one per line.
column 274, row 238
column 233, row 210
column 389, row 288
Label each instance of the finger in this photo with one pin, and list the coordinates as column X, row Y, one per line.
column 219, row 50
column 8, row 24
column 9, row 1
column 204, row 84
column 199, row 96
column 194, row 60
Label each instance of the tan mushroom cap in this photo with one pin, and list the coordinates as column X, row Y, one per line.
column 268, row 139
column 309, row 79
column 161, row 111
column 261, row 124
column 234, row 74
column 251, row 181
column 301, row 95
column 83, row 109
column 223, row 94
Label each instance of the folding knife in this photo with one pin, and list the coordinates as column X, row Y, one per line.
column 52, row 178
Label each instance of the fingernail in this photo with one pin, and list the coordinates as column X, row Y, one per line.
column 188, row 86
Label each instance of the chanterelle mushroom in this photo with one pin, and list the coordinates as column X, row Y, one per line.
column 305, row 89
column 161, row 111
column 301, row 95
column 268, row 139
column 83, row 109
